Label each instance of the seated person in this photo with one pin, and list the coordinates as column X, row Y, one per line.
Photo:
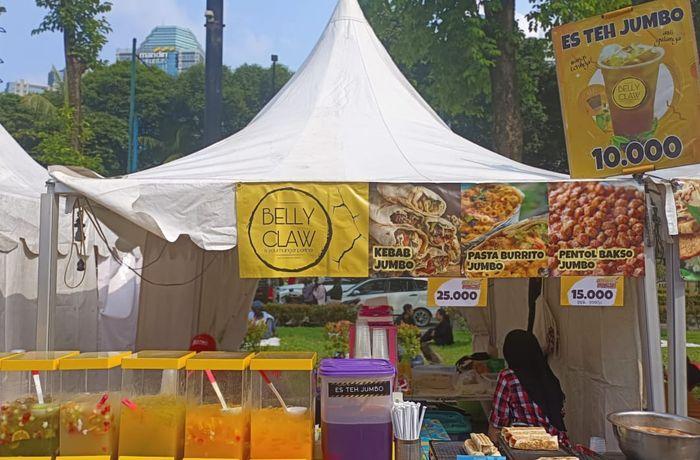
column 406, row 317
column 527, row 392
column 258, row 315
column 439, row 335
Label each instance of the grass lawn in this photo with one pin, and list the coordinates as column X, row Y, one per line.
column 314, row 339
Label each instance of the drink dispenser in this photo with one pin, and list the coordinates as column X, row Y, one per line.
column 29, row 419
column 282, row 417
column 90, row 384
column 153, row 404
column 356, row 401
column 218, row 407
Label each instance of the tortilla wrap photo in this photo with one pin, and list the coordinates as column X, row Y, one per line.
column 415, row 197
column 401, row 235
column 394, row 214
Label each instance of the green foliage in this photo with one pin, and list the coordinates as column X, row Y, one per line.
column 54, row 147
column 409, row 342
column 106, row 91
column 254, row 334
column 338, row 339
column 547, row 14
column 85, row 23
column 311, row 315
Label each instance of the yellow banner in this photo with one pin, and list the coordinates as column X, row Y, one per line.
column 291, row 229
column 592, row 291
column 457, row 292
column 628, row 82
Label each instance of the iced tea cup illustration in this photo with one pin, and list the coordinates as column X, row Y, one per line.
column 630, row 74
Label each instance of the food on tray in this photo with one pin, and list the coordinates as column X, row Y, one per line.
column 415, row 197
column 481, row 443
column 663, row 431
column 558, row 458
column 401, row 235
column 528, row 235
column 529, row 438
column 394, row 214
column 472, row 449
column 597, row 215
column 485, row 207
column 535, row 442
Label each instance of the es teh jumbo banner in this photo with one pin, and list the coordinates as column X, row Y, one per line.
column 628, row 82
column 455, row 231
column 302, row 229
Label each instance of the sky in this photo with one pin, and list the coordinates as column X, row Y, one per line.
column 254, row 30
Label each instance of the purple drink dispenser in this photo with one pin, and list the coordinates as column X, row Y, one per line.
column 356, row 408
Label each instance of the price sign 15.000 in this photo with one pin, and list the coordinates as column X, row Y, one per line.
column 457, row 292
column 592, row 291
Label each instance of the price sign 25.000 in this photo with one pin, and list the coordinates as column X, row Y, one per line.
column 457, row 292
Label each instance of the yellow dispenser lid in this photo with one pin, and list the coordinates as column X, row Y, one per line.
column 35, row 361
column 6, row 355
column 219, row 361
column 283, row 361
column 157, row 360
column 93, row 360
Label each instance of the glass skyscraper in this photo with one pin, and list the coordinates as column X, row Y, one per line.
column 172, row 48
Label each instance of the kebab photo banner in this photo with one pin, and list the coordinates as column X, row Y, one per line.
column 628, row 82
column 300, row 229
column 687, row 197
column 474, row 231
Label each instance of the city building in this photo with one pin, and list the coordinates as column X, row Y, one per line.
column 55, row 78
column 171, row 48
column 23, row 87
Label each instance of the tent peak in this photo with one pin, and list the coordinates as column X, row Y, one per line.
column 348, row 10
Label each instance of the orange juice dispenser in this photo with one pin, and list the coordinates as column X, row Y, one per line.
column 29, row 414
column 90, row 405
column 282, row 414
column 152, row 420
column 217, row 424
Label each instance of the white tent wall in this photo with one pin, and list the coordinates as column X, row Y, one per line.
column 216, row 301
column 598, row 360
column 76, row 307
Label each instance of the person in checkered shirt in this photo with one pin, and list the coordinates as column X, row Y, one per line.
column 527, row 392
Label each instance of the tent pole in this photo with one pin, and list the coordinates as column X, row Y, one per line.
column 48, row 246
column 650, row 323
column 675, row 320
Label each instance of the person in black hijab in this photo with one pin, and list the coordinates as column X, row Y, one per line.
column 528, row 392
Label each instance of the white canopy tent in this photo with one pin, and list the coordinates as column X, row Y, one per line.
column 80, row 318
column 348, row 115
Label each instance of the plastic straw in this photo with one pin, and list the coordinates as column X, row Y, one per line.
column 130, row 404
column 274, row 390
column 407, row 419
column 217, row 390
column 37, row 387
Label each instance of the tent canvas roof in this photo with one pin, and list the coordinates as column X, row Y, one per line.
column 22, row 181
column 347, row 115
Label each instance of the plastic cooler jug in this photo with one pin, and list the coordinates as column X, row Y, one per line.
column 29, row 414
column 153, row 398
column 356, row 408
column 90, row 404
column 217, row 424
column 283, row 409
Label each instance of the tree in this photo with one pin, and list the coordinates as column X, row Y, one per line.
column 84, row 29
column 106, row 92
column 505, row 95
